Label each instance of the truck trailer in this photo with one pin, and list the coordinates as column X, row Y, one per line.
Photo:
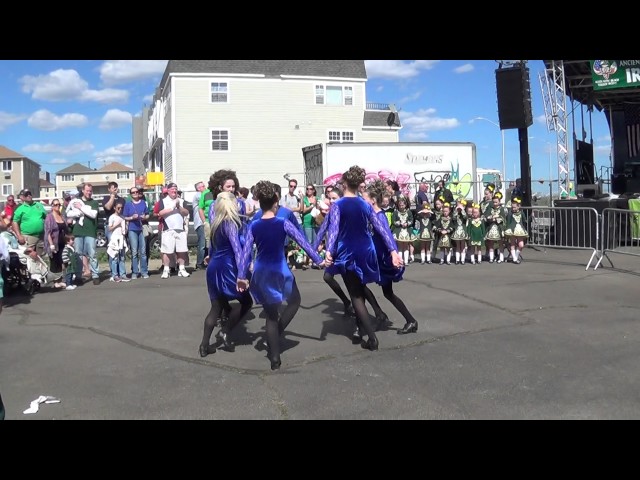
column 408, row 163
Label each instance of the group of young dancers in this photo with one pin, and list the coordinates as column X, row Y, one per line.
column 359, row 246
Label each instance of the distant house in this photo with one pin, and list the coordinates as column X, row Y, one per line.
column 256, row 116
column 18, row 172
column 72, row 178
column 47, row 189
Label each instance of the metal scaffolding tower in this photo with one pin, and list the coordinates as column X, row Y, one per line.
column 552, row 84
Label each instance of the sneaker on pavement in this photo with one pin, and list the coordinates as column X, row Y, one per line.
column 96, row 281
column 165, row 274
column 183, row 273
column 70, row 287
column 145, row 275
column 125, row 279
column 115, row 279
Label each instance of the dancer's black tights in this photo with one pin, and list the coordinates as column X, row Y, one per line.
column 387, row 290
column 275, row 327
column 356, row 291
column 217, row 306
column 368, row 294
column 335, row 286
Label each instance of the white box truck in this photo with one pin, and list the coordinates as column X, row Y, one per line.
column 408, row 163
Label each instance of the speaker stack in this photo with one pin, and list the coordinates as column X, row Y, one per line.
column 514, row 98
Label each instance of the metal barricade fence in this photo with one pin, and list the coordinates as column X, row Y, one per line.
column 620, row 233
column 575, row 228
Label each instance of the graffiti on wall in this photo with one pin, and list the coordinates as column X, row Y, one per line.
column 408, row 182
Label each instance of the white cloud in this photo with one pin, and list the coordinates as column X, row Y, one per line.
column 147, row 99
column 115, row 118
column 58, row 161
column 118, row 151
column 410, row 98
column 604, row 138
column 603, row 148
column 61, row 85
column 50, row 122
column 424, row 120
column 467, row 67
column 7, row 119
column 85, row 146
column 114, row 72
column 397, row 69
column 415, row 136
column 541, row 119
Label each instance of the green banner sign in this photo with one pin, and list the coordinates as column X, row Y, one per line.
column 608, row 74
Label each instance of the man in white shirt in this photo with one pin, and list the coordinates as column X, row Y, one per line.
column 174, row 234
column 292, row 201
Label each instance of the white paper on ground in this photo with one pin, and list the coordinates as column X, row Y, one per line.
column 35, row 405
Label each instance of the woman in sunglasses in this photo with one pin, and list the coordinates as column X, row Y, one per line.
column 55, row 228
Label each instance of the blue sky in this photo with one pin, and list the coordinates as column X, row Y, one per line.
column 58, row 112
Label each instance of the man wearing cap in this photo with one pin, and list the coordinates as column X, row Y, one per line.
column 174, row 233
column 28, row 223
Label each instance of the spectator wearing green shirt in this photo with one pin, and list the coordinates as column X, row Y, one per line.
column 28, row 223
column 85, row 228
column 206, row 199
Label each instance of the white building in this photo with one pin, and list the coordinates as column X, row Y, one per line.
column 256, row 116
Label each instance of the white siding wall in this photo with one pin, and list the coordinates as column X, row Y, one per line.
column 261, row 116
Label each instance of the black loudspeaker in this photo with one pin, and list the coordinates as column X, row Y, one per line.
column 514, row 98
column 585, row 168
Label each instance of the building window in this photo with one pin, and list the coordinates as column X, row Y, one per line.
column 340, row 136
column 219, row 92
column 333, row 95
column 220, row 140
column 7, row 189
column 7, row 165
column 68, row 178
column 124, row 176
column 348, row 95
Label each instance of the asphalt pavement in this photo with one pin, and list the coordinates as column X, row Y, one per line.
column 544, row 339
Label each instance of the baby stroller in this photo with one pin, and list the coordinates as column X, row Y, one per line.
column 24, row 271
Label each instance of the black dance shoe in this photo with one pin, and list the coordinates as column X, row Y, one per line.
column 370, row 344
column 224, row 338
column 356, row 337
column 409, row 327
column 275, row 362
column 383, row 322
column 206, row 350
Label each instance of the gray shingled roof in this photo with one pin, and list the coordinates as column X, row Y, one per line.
column 306, row 68
column 75, row 168
column 378, row 118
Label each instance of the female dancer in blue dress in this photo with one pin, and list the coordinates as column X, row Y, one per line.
column 388, row 273
column 350, row 247
column 222, row 271
column 272, row 282
column 329, row 278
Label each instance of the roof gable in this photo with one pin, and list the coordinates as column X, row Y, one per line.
column 8, row 153
column 75, row 168
column 115, row 167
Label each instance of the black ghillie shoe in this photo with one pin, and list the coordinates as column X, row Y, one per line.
column 206, row 350
column 409, row 327
column 370, row 344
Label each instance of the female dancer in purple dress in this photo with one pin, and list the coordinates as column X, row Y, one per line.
column 272, row 282
column 382, row 319
column 350, row 247
column 388, row 273
column 222, row 272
